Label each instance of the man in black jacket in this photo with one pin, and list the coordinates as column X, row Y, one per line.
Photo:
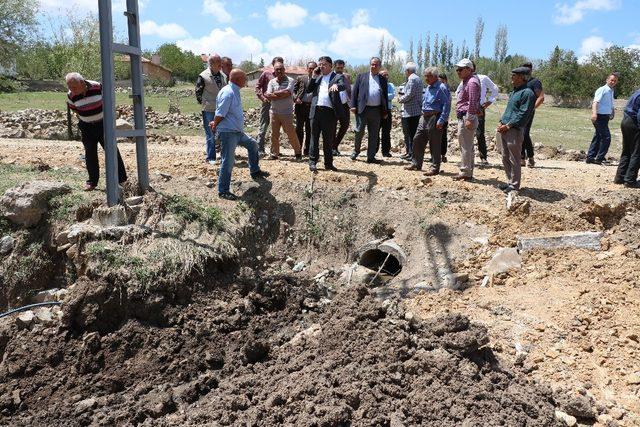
column 302, row 100
column 326, row 109
column 370, row 103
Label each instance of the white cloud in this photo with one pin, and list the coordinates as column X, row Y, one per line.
column 216, row 8
column 570, row 14
column 286, row 15
column 591, row 45
column 224, row 42
column 255, row 15
column 360, row 17
column 165, row 31
column 359, row 42
column 292, row 51
column 330, row 20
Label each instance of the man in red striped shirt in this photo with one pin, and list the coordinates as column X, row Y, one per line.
column 85, row 99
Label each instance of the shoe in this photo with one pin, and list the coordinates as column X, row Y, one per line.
column 523, row 162
column 432, row 172
column 335, row 153
column 605, row 162
column 227, row 196
column 331, row 168
column 89, row 187
column 212, row 162
column 298, row 157
column 273, row 157
column 386, row 155
column 411, row 168
column 260, row 174
column 484, row 161
column 531, row 163
column 463, row 178
column 408, row 159
column 509, row 188
column 615, row 181
column 444, row 159
column 503, row 186
column 635, row 184
column 262, row 153
column 597, row 162
column 374, row 161
column 354, row 156
column 313, row 167
column 589, row 161
column 405, row 156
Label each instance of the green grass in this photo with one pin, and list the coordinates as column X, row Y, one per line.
column 567, row 127
column 191, row 210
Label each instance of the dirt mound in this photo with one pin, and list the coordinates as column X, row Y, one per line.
column 265, row 353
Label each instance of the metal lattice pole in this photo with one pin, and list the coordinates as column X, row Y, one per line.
column 108, row 101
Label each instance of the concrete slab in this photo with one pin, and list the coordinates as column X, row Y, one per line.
column 581, row 240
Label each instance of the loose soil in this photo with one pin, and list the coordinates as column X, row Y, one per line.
column 282, row 348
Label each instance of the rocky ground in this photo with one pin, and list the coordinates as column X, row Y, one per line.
column 274, row 323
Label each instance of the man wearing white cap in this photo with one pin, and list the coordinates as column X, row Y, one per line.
column 467, row 109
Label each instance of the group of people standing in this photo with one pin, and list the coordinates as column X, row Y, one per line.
column 323, row 100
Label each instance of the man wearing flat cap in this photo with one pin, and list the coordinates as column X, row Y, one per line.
column 512, row 126
column 467, row 109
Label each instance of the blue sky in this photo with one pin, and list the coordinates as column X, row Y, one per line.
column 352, row 29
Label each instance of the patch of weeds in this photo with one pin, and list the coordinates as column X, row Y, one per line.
column 63, row 207
column 112, row 258
column 12, row 175
column 190, row 210
column 437, row 207
column 5, row 226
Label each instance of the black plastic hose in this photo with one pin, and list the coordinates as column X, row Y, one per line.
column 27, row 307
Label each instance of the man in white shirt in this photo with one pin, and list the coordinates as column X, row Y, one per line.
column 602, row 110
column 488, row 95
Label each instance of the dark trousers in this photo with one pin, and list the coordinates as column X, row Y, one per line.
column 344, row 122
column 370, row 118
column 385, row 127
column 92, row 134
column 303, row 125
column 409, row 127
column 630, row 157
column 527, row 145
column 428, row 133
column 445, row 141
column 324, row 122
column 482, row 141
column 601, row 139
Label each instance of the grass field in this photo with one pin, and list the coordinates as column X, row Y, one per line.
column 570, row 128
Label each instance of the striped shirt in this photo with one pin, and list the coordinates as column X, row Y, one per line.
column 88, row 107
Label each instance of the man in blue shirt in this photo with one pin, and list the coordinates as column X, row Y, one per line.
column 229, row 123
column 601, row 112
column 627, row 173
column 436, row 104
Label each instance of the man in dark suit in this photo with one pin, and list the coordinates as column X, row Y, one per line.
column 326, row 109
column 370, row 103
column 303, row 107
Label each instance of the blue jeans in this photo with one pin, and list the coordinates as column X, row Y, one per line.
column 207, row 117
column 228, row 143
column 601, row 139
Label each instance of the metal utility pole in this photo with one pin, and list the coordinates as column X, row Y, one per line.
column 107, row 49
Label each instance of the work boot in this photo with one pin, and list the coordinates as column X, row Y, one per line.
column 531, row 163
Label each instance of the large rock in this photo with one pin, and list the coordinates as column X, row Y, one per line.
column 25, row 204
column 6, row 245
column 122, row 124
column 582, row 240
column 113, row 216
column 504, row 260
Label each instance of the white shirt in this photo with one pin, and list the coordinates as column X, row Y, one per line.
column 485, row 85
column 373, row 100
column 323, row 92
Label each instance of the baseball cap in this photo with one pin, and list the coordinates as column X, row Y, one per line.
column 465, row 63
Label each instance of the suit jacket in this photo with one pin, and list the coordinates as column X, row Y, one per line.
column 360, row 93
column 300, row 88
column 314, row 87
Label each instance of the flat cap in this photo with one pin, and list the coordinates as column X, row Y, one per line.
column 521, row 70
